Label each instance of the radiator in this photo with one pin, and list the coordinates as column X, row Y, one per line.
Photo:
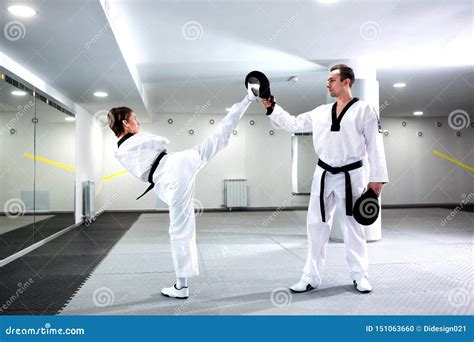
column 235, row 193
column 88, row 201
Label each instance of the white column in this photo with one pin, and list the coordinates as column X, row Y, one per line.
column 89, row 157
column 366, row 88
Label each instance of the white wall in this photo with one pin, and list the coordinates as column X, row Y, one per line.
column 254, row 154
column 417, row 175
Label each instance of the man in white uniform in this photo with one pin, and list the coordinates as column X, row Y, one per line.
column 172, row 177
column 343, row 134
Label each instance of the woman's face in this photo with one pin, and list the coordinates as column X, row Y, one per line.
column 131, row 125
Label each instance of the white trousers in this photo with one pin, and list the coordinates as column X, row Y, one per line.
column 318, row 236
column 174, row 183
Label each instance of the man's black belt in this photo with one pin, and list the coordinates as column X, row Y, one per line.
column 152, row 171
column 348, row 186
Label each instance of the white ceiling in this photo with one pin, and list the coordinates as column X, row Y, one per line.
column 186, row 54
column 57, row 47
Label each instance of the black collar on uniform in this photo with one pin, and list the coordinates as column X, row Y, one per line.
column 125, row 137
column 336, row 121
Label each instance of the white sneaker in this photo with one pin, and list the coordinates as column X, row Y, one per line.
column 301, row 286
column 363, row 285
column 174, row 292
column 253, row 92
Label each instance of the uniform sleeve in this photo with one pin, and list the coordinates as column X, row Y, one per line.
column 162, row 140
column 293, row 124
column 144, row 136
column 374, row 144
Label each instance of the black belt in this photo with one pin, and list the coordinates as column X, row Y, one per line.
column 334, row 170
column 152, row 171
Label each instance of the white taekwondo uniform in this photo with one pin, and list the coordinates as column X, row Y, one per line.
column 341, row 144
column 173, row 180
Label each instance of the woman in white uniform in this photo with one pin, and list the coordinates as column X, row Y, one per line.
column 344, row 133
column 172, row 176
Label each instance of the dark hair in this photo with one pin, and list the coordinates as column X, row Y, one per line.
column 345, row 72
column 115, row 117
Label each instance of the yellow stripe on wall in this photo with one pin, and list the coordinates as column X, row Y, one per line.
column 70, row 168
column 452, row 160
column 51, row 162
column 115, row 175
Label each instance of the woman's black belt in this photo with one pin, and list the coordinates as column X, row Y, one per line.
column 152, row 171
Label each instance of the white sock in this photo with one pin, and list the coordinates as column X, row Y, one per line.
column 181, row 282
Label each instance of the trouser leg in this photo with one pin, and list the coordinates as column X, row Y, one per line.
column 318, row 236
column 182, row 233
column 220, row 137
column 354, row 242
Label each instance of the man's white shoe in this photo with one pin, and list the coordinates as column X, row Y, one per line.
column 301, row 286
column 363, row 285
column 253, row 91
column 174, row 292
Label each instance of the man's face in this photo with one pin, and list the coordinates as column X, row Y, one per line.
column 334, row 84
column 131, row 125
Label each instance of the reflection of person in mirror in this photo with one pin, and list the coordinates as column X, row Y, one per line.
column 344, row 133
column 172, row 176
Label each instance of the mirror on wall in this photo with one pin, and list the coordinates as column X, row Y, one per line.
column 17, row 108
column 37, row 165
column 54, row 169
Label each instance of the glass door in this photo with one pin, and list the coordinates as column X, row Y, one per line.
column 54, row 169
column 17, row 198
column 37, row 165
